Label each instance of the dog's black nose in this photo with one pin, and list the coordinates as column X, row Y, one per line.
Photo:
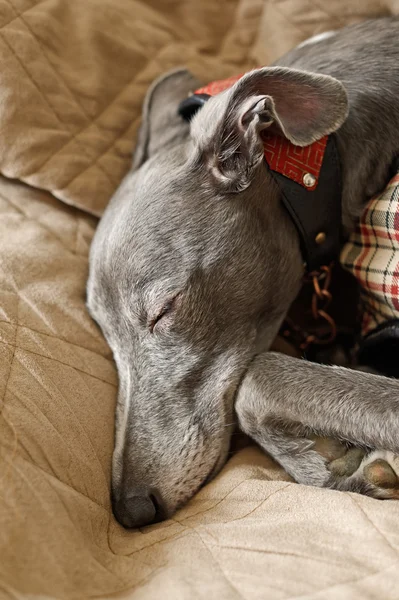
column 141, row 506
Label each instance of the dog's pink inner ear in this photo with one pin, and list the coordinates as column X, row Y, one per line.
column 297, row 115
column 304, row 106
column 227, row 132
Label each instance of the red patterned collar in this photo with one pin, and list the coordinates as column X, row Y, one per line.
column 294, row 162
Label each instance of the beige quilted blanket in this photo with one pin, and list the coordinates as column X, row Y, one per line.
column 72, row 78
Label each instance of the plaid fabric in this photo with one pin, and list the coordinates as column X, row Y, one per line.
column 372, row 255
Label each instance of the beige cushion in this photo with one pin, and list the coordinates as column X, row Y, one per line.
column 72, row 80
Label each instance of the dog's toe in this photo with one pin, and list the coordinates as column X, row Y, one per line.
column 348, row 464
column 375, row 474
column 381, row 469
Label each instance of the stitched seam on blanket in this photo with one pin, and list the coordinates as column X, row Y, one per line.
column 74, row 136
column 329, row 16
column 76, row 101
column 65, row 126
column 55, row 337
column 13, row 355
column 377, row 529
column 94, row 163
column 119, row 136
column 2, row 25
column 44, row 97
column 278, row 8
column 46, row 229
column 348, row 582
column 16, row 292
column 19, row 348
column 60, row 482
column 342, row 20
column 49, row 63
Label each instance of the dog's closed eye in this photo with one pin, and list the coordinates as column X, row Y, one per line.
column 166, row 309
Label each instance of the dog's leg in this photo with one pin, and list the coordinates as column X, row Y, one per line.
column 283, row 401
column 293, row 451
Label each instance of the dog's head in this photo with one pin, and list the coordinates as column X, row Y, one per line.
column 192, row 269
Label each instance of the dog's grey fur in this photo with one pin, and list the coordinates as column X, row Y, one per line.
column 280, row 413
column 197, row 233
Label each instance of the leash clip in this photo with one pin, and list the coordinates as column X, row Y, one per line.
column 321, row 299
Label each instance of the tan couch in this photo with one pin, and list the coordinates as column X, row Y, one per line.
column 72, row 79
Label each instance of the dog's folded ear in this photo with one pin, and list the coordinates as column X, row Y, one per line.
column 161, row 123
column 301, row 106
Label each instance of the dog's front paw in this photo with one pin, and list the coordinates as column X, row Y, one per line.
column 375, row 474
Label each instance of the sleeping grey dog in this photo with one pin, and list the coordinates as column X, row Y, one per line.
column 195, row 264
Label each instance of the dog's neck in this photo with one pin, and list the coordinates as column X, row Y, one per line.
column 367, row 150
column 368, row 141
